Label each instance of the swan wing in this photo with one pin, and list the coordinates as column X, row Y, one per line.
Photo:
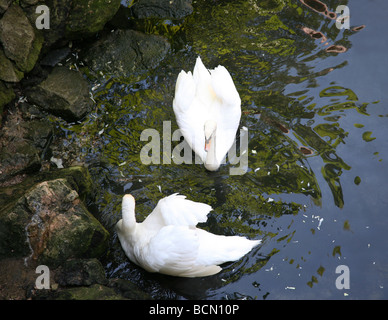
column 203, row 81
column 178, row 211
column 192, row 105
column 224, row 88
column 185, row 90
column 173, row 251
column 207, row 95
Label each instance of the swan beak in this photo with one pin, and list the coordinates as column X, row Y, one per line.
column 207, row 145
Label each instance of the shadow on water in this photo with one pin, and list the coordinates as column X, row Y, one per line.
column 283, row 56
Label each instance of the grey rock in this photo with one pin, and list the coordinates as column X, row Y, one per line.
column 81, row 272
column 4, row 4
column 18, row 38
column 8, row 71
column 65, row 93
column 21, row 145
column 50, row 225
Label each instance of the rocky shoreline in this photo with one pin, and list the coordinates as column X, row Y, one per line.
column 44, row 216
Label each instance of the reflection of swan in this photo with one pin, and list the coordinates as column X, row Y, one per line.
column 207, row 107
column 168, row 242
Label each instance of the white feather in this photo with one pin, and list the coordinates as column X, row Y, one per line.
column 168, row 241
column 202, row 96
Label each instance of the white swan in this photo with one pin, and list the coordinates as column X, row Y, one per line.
column 207, row 108
column 168, row 242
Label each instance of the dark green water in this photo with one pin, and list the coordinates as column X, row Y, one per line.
column 316, row 187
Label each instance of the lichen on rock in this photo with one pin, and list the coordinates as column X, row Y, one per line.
column 50, row 224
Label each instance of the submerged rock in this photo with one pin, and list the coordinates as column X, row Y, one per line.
column 176, row 9
column 126, row 52
column 65, row 93
column 128, row 289
column 50, row 224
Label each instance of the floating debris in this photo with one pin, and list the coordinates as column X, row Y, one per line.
column 319, row 223
column 58, row 162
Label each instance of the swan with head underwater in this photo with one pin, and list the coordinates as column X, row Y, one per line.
column 169, row 242
column 207, row 108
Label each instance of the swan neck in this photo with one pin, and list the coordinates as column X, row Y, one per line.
column 128, row 215
column 211, row 159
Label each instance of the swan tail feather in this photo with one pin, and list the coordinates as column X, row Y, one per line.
column 220, row 249
column 174, row 251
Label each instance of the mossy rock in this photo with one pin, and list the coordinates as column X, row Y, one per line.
column 65, row 93
column 50, row 224
column 20, row 42
column 6, row 95
column 89, row 16
column 94, row 292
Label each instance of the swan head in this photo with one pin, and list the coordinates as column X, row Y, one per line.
column 210, row 129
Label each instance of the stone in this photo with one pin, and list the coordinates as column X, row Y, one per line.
column 8, row 72
column 19, row 159
column 173, row 9
column 128, row 289
column 6, row 96
column 21, row 145
column 89, row 16
column 77, row 177
column 18, row 38
column 126, row 52
column 81, row 272
column 4, row 4
column 65, row 93
column 94, row 292
column 50, row 224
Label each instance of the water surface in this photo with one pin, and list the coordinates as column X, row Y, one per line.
column 316, row 186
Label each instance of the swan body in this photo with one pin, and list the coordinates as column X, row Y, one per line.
column 168, row 242
column 207, row 108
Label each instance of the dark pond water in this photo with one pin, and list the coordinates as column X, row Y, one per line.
column 316, row 187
